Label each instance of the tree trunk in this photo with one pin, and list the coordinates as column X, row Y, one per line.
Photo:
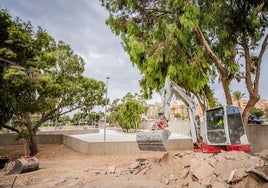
column 32, row 144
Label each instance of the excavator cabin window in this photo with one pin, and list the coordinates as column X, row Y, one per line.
column 235, row 124
column 215, row 126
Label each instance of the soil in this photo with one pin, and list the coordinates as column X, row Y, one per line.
column 62, row 167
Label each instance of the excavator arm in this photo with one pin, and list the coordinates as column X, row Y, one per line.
column 154, row 142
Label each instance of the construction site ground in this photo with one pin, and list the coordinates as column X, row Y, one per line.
column 59, row 166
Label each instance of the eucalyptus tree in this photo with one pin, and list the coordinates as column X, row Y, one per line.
column 40, row 79
column 194, row 42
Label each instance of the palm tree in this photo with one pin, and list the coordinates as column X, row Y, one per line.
column 238, row 95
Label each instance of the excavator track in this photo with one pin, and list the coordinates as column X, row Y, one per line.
column 153, row 140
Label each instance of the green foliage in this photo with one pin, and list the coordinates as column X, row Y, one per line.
column 130, row 114
column 127, row 112
column 161, row 39
column 40, row 78
column 160, row 42
column 257, row 112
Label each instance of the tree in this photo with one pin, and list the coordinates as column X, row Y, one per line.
column 41, row 80
column 257, row 112
column 130, row 113
column 114, row 112
column 194, row 42
column 238, row 95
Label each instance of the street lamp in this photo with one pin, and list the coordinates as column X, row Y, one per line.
column 106, row 101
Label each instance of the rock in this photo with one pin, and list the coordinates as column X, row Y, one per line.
column 141, row 159
column 134, row 165
column 184, row 173
column 231, row 175
column 172, row 178
column 194, row 163
column 262, row 172
column 263, row 154
column 185, row 160
column 218, row 185
column 257, row 161
column 110, row 170
column 141, row 170
column 195, row 185
column 203, row 171
column 206, row 181
column 240, row 173
column 154, row 159
column 166, row 181
column 212, row 161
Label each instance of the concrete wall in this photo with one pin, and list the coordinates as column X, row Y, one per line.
column 258, row 137
column 43, row 137
column 100, row 147
column 125, row 147
column 10, row 139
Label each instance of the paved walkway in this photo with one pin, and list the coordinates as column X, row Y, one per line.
column 116, row 136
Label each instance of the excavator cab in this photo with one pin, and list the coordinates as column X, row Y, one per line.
column 224, row 130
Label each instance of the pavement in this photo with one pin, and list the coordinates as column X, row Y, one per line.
column 117, row 136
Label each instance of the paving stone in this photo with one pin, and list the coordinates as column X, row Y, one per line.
column 184, row 173
column 212, row 161
column 203, row 171
column 194, row 163
column 206, row 181
column 185, row 160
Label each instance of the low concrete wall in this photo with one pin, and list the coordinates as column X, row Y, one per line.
column 257, row 136
column 125, row 147
column 10, row 139
column 100, row 147
column 43, row 137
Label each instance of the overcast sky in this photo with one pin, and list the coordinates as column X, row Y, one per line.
column 81, row 24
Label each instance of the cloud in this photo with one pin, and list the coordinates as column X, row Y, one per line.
column 81, row 24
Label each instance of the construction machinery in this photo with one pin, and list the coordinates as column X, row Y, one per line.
column 223, row 128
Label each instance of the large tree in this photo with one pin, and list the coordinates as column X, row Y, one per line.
column 194, row 42
column 130, row 113
column 40, row 79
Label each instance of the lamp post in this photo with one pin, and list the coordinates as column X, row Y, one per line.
column 106, row 101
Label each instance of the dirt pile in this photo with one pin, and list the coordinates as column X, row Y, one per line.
column 189, row 169
column 63, row 167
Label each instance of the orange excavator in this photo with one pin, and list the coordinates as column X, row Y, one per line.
column 223, row 128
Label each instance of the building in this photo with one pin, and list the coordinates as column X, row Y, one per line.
column 178, row 110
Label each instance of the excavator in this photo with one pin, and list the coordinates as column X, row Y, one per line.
column 223, row 128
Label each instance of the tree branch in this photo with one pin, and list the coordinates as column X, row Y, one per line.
column 11, row 128
column 258, row 67
column 210, row 51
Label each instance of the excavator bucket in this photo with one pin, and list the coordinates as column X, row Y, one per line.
column 153, row 140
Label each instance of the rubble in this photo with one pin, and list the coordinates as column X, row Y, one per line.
column 189, row 169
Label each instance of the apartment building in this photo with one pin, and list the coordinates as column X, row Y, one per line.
column 179, row 110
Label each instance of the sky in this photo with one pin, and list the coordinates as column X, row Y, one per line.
column 81, row 24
